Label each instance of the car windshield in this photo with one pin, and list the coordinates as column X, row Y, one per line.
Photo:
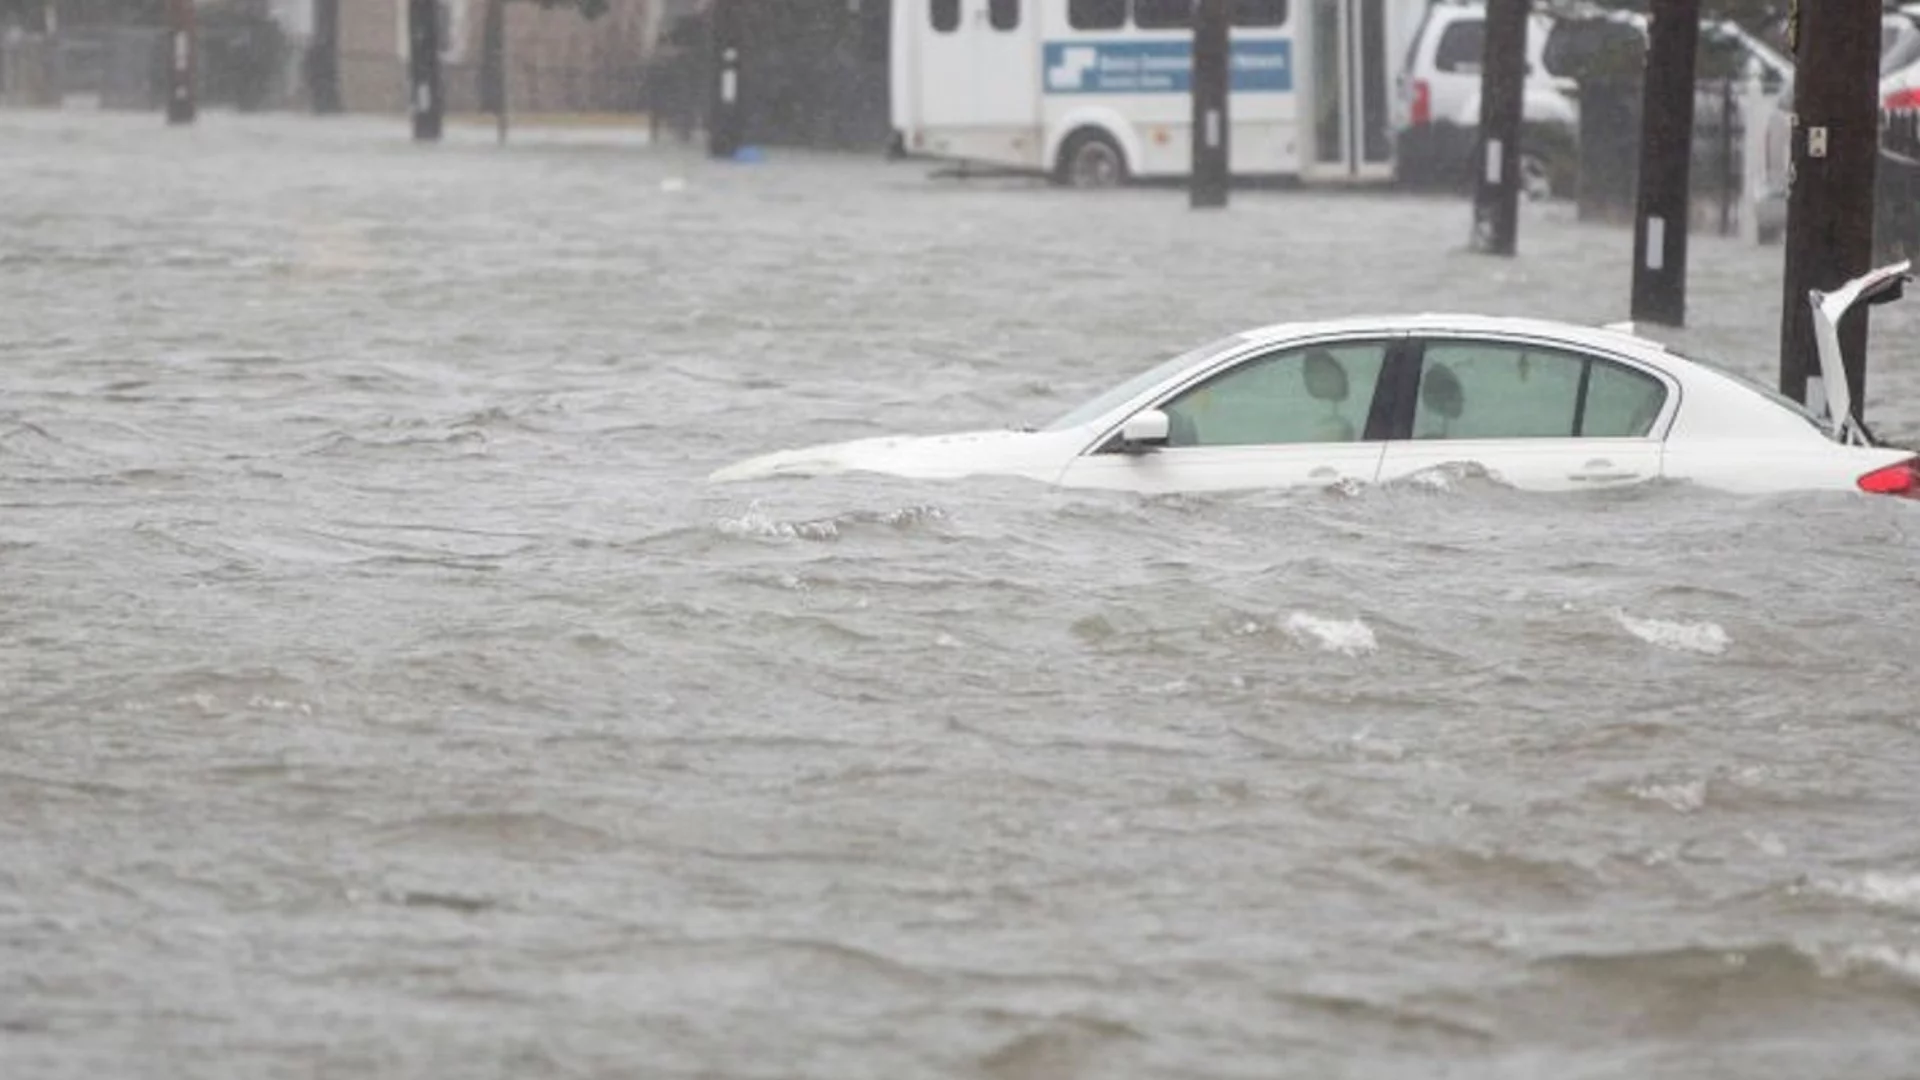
column 1139, row 384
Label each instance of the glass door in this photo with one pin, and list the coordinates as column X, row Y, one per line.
column 1348, row 110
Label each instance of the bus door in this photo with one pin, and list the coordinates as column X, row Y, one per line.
column 979, row 64
column 1348, row 129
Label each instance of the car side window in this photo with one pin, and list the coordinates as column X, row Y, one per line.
column 1621, row 403
column 1317, row 394
column 1504, row 390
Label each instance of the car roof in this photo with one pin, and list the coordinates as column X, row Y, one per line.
column 1596, row 337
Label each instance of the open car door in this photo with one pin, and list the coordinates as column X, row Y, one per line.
column 1874, row 287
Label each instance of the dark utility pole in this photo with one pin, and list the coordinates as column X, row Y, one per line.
column 1835, row 144
column 423, row 68
column 726, row 118
column 1211, row 78
column 181, row 106
column 1666, row 154
column 323, row 57
column 1503, row 73
column 493, row 65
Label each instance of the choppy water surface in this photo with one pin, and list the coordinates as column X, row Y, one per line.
column 386, row 693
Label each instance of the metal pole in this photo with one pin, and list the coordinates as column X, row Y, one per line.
column 1496, row 202
column 323, row 58
column 726, row 117
column 1212, row 78
column 423, row 68
column 493, row 66
column 1830, row 202
column 181, row 104
column 1666, row 156
column 1729, row 173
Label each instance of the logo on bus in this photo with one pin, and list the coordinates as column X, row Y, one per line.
column 1160, row 67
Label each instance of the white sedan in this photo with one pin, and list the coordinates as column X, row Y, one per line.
column 1539, row 405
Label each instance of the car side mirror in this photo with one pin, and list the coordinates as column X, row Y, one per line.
column 1144, row 432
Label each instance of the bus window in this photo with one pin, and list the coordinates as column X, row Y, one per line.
column 946, row 15
column 1003, row 14
column 1259, row 12
column 1163, row 14
column 1096, row 14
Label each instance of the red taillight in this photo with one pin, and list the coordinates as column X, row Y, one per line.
column 1901, row 100
column 1423, row 102
column 1897, row 479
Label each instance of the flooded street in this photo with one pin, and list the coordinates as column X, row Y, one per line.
column 384, row 692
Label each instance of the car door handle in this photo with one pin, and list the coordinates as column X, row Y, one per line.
column 1600, row 471
column 1324, row 472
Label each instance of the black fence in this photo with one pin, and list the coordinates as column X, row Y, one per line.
column 1606, row 188
column 1897, row 180
column 1609, row 158
column 242, row 62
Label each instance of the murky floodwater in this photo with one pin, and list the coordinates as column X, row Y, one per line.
column 386, row 693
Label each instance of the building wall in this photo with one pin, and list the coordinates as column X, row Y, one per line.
column 557, row 61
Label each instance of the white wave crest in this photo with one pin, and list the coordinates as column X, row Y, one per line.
column 757, row 524
column 1684, row 797
column 1882, row 890
column 1902, row 964
column 1705, row 638
column 1349, row 637
column 1450, row 477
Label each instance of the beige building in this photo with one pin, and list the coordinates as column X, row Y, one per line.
column 557, row 60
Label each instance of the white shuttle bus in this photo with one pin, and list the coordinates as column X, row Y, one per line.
column 1096, row 92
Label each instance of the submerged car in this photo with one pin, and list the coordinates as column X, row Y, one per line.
column 1539, row 405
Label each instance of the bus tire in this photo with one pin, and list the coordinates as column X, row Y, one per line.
column 1090, row 159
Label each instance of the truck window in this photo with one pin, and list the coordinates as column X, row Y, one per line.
column 1462, row 45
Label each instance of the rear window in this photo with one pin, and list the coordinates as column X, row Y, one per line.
column 1462, row 44
column 1720, row 56
column 1758, row 387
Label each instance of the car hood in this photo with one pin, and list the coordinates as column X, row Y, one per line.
column 964, row 453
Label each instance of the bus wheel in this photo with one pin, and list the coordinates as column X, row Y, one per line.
column 1091, row 159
